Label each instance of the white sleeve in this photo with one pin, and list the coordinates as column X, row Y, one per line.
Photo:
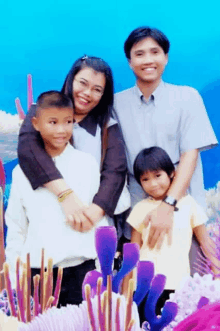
column 17, row 224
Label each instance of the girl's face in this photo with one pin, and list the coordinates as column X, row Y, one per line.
column 156, row 183
column 88, row 89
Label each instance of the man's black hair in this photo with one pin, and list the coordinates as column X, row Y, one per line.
column 145, row 32
column 152, row 159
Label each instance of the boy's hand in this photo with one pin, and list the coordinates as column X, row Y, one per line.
column 161, row 223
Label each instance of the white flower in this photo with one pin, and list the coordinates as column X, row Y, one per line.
column 8, row 323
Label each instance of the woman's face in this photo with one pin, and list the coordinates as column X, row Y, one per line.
column 88, row 88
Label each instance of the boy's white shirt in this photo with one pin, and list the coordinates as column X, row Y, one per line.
column 35, row 219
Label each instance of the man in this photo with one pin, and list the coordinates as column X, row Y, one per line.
column 154, row 113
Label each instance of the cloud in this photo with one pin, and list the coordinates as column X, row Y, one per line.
column 9, row 123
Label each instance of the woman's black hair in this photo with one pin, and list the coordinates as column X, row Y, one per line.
column 152, row 159
column 145, row 32
column 103, row 110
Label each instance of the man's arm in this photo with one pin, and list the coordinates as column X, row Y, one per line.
column 161, row 219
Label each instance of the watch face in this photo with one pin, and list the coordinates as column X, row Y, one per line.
column 170, row 200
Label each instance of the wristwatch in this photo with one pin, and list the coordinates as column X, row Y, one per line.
column 171, row 201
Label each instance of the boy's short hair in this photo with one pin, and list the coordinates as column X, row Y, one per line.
column 145, row 32
column 53, row 99
column 152, row 159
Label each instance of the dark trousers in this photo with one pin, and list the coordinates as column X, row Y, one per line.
column 160, row 303
column 71, row 287
column 119, row 222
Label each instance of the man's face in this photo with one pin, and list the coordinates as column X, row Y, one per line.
column 148, row 60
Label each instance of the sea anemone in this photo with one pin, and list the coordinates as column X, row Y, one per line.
column 75, row 318
column 19, row 303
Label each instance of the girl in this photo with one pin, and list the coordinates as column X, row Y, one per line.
column 154, row 171
column 89, row 84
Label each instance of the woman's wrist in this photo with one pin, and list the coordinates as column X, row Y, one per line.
column 57, row 186
column 63, row 195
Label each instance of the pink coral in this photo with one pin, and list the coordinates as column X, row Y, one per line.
column 207, row 318
column 189, row 294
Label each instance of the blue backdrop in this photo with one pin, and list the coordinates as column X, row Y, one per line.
column 45, row 37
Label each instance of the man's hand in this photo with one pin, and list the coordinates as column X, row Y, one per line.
column 161, row 223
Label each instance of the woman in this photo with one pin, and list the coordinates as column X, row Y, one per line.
column 89, row 84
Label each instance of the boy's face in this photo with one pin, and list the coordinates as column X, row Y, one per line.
column 148, row 60
column 155, row 183
column 56, row 127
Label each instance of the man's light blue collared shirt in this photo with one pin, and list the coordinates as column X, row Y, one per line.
column 174, row 118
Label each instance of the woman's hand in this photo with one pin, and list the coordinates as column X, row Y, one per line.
column 94, row 213
column 74, row 211
column 80, row 217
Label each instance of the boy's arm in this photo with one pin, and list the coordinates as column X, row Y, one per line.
column 136, row 237
column 208, row 247
column 161, row 219
column 17, row 224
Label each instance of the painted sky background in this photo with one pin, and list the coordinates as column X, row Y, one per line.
column 45, row 37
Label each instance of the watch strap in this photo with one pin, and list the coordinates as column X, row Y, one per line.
column 171, row 201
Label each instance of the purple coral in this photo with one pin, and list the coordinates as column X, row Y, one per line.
column 106, row 243
column 145, row 272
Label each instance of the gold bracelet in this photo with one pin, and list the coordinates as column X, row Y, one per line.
column 62, row 196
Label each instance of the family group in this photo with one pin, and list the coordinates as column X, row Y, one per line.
column 89, row 158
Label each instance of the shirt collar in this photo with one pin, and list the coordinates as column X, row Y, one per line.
column 89, row 123
column 64, row 152
column 154, row 96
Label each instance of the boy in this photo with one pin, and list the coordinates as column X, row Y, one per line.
column 154, row 171
column 160, row 114
column 35, row 218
